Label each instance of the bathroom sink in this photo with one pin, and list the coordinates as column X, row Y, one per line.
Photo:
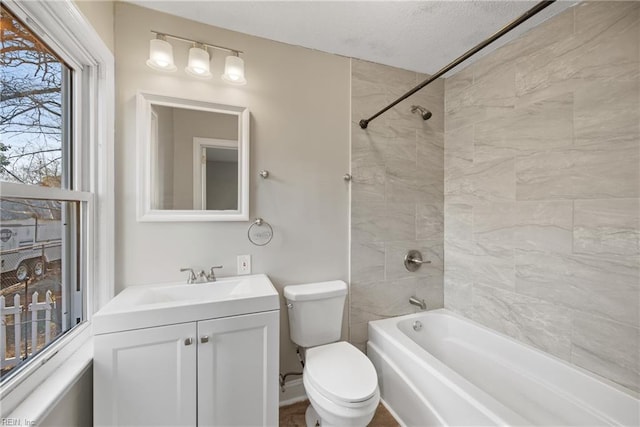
column 164, row 304
column 212, row 291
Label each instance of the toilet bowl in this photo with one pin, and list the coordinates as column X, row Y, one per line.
column 340, row 381
column 341, row 384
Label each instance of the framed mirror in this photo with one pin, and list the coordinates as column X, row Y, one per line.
column 193, row 160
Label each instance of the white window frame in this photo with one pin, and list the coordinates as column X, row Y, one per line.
column 61, row 25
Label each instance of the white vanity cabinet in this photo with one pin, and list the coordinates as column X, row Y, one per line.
column 238, row 371
column 217, row 372
column 146, row 377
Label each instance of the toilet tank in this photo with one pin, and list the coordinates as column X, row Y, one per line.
column 315, row 312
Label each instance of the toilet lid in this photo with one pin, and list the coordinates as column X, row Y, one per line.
column 341, row 372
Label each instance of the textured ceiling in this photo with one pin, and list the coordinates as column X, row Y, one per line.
column 421, row 36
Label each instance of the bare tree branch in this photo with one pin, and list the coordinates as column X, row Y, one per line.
column 34, row 152
column 31, row 115
column 6, row 96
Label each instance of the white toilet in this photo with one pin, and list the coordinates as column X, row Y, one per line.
column 340, row 381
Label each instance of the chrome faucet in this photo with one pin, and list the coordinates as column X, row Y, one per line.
column 419, row 302
column 201, row 277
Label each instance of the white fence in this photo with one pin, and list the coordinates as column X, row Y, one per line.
column 16, row 311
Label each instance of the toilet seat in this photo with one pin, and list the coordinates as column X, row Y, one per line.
column 341, row 373
column 341, row 414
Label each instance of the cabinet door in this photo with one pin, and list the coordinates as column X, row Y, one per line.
column 238, row 371
column 146, row 377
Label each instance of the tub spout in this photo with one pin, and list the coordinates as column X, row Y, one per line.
column 419, row 302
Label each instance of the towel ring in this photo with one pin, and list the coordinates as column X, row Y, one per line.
column 260, row 232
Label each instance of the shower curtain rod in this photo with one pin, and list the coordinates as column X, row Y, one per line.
column 528, row 14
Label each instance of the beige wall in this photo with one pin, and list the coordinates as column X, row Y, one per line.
column 542, row 179
column 397, row 195
column 299, row 103
column 100, row 14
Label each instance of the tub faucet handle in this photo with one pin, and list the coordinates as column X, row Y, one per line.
column 413, row 260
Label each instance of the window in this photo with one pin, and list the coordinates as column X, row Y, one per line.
column 40, row 298
column 56, row 189
column 41, row 294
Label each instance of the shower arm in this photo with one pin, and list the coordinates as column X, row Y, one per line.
column 468, row 54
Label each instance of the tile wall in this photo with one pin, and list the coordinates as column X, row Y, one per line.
column 542, row 187
column 397, row 195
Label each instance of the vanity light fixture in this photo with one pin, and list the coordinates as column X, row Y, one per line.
column 161, row 54
column 198, row 65
column 234, row 70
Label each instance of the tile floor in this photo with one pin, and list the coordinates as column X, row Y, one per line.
column 293, row 416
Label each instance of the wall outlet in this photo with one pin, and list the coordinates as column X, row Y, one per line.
column 244, row 264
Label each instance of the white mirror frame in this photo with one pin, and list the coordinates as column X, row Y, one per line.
column 145, row 156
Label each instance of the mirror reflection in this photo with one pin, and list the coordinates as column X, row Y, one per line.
column 195, row 159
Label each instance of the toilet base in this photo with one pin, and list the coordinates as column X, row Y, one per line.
column 311, row 417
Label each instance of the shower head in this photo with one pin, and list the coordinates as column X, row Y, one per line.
column 426, row 114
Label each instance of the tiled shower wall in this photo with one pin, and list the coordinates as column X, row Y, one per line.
column 542, row 161
column 397, row 195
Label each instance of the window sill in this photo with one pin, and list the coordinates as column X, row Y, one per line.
column 69, row 368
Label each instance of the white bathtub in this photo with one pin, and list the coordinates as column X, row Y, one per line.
column 456, row 372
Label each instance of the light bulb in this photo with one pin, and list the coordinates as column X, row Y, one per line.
column 198, row 65
column 234, row 70
column 161, row 54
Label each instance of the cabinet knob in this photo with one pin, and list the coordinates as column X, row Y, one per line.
column 188, row 341
column 204, row 339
